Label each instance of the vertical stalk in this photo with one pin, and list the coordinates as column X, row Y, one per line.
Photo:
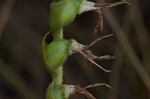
column 57, row 76
column 58, row 34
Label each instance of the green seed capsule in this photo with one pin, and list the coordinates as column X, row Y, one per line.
column 59, row 92
column 63, row 13
column 55, row 92
column 55, row 53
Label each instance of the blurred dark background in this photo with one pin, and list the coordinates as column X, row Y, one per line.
column 23, row 23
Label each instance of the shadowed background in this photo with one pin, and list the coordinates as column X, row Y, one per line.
column 23, row 23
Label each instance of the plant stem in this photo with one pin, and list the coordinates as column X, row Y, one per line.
column 58, row 34
column 57, row 76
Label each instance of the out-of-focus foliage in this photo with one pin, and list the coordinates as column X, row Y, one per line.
column 23, row 24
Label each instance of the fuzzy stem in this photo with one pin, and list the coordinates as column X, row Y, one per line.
column 57, row 76
column 58, row 35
